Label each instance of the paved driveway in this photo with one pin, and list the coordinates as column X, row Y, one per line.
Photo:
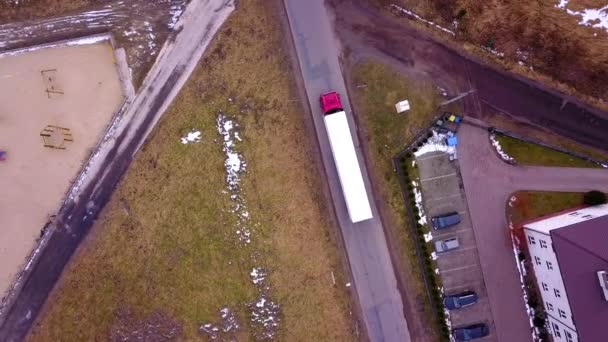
column 317, row 51
column 488, row 184
column 459, row 270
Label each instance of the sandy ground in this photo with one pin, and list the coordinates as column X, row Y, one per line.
column 85, row 93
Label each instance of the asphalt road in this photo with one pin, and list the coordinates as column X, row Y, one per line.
column 372, row 270
column 488, row 183
column 175, row 63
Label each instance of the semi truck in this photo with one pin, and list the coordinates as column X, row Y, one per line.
column 345, row 158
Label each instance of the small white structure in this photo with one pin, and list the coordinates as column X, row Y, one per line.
column 402, row 106
column 568, row 253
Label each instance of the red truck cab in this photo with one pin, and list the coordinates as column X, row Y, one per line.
column 330, row 103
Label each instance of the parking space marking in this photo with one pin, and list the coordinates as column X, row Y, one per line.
column 438, row 177
column 453, row 288
column 457, row 250
column 457, row 268
column 430, row 157
column 444, row 197
column 454, row 232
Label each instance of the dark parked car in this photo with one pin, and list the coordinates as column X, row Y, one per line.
column 460, row 300
column 470, row 332
column 445, row 220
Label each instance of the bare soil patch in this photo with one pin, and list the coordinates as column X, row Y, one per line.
column 55, row 104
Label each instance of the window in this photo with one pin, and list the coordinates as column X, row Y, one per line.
column 543, row 244
column 531, row 240
column 568, row 336
column 556, row 330
column 549, row 306
column 562, row 313
column 549, row 265
column 545, row 287
column 557, row 294
column 537, row 260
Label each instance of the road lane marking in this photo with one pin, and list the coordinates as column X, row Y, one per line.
column 457, row 268
column 438, row 177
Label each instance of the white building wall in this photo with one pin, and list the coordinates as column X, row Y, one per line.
column 550, row 284
column 560, row 331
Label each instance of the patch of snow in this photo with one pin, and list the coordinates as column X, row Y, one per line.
column 418, row 199
column 193, row 136
column 348, row 284
column 228, row 325
column 265, row 314
column 235, row 166
column 525, row 295
column 438, row 142
column 433, row 256
column 512, row 201
column 258, row 275
column 80, row 41
column 494, row 51
column 594, row 17
column 175, row 11
column 499, row 150
column 416, row 16
column 428, row 237
column 441, row 91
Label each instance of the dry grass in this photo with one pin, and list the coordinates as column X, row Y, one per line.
column 387, row 133
column 166, row 240
column 562, row 53
column 533, row 204
column 36, row 9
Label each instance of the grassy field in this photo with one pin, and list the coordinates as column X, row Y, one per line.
column 386, row 133
column 164, row 255
column 550, row 44
column 532, row 204
column 526, row 153
column 500, row 121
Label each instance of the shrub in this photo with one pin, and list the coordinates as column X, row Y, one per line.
column 408, row 155
column 538, row 321
column 461, row 13
column 521, row 256
column 594, row 197
column 429, row 134
column 420, row 144
column 414, row 149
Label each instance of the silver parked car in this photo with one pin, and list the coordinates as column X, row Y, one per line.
column 446, row 245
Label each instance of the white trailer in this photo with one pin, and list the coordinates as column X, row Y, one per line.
column 349, row 170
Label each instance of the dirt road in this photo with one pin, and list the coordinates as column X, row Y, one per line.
column 420, row 55
column 176, row 61
column 139, row 26
column 489, row 182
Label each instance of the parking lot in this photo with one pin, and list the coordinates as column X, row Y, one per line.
column 459, row 269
